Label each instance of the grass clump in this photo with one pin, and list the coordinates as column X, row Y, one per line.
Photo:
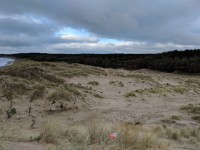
column 141, row 77
column 117, row 83
column 93, row 83
column 77, row 70
column 192, row 108
column 129, row 136
column 60, row 94
column 196, row 118
column 171, row 120
column 9, row 85
column 176, row 134
column 71, row 88
column 121, row 84
column 180, row 90
column 67, row 93
column 31, row 70
column 162, row 90
column 98, row 96
column 112, row 82
column 1, row 146
column 175, row 118
column 49, row 132
column 131, row 94
column 39, row 92
column 139, row 137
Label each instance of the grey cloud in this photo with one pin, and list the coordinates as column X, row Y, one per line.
column 156, row 21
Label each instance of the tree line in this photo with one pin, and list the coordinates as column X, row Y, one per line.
column 187, row 61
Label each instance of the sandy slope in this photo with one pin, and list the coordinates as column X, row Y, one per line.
column 114, row 107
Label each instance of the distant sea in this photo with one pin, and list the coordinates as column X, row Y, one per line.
column 5, row 61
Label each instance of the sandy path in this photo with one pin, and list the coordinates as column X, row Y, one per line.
column 23, row 146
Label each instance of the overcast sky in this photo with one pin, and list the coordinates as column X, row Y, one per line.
column 99, row 26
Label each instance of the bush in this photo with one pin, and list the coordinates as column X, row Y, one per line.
column 94, row 83
column 39, row 91
column 49, row 132
column 192, row 108
column 131, row 94
column 60, row 94
column 197, row 118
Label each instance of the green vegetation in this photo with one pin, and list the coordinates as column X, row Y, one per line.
column 112, row 82
column 193, row 82
column 76, row 70
column 176, row 134
column 93, row 83
column 49, row 132
column 175, row 117
column 180, row 90
column 97, row 95
column 36, row 79
column 71, row 88
column 38, row 92
column 1, row 146
column 181, row 61
column 121, row 84
column 96, row 136
column 192, row 108
column 131, row 94
column 141, row 77
column 31, row 71
column 162, row 90
column 171, row 120
column 197, row 118
column 60, row 94
column 117, row 83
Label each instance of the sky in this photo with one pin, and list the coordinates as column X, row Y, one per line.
column 99, row 26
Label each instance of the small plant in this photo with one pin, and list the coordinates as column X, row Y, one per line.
column 197, row 118
column 131, row 94
column 117, row 83
column 192, row 108
column 60, row 94
column 97, row 96
column 121, row 84
column 180, row 90
column 175, row 117
column 71, row 88
column 112, row 82
column 93, row 83
column 49, row 132
column 11, row 112
column 1, row 147
column 38, row 92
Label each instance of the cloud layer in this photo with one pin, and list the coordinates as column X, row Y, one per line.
column 94, row 26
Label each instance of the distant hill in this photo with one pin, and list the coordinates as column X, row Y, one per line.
column 187, row 61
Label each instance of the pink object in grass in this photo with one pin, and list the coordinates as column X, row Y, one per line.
column 113, row 136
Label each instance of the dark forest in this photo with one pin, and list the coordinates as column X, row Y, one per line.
column 187, row 61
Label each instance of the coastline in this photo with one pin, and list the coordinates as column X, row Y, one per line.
column 10, row 62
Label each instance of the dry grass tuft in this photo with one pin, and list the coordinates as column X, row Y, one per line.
column 60, row 94
column 162, row 90
column 93, row 83
column 39, row 92
column 31, row 70
column 138, row 137
column 129, row 136
column 117, row 83
column 192, row 108
column 1, row 146
column 50, row 132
